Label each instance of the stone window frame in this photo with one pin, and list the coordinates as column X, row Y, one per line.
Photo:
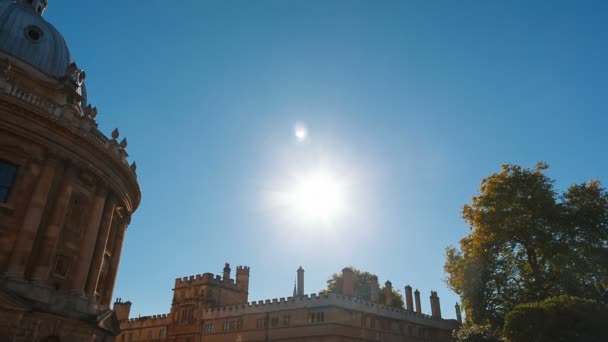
column 19, row 158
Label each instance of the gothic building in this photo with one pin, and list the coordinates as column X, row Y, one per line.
column 216, row 309
column 67, row 192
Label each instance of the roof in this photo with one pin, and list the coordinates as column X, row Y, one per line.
column 25, row 35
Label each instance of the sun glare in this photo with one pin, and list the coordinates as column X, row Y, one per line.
column 318, row 196
column 301, row 132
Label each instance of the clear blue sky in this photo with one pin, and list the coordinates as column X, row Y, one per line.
column 411, row 102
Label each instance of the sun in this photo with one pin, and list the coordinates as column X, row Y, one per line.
column 317, row 196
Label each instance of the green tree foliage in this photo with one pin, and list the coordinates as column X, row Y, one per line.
column 529, row 243
column 363, row 281
column 567, row 319
column 475, row 333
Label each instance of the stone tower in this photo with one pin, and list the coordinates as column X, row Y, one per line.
column 67, row 192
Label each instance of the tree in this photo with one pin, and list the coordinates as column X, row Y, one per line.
column 557, row 319
column 527, row 243
column 475, row 333
column 362, row 284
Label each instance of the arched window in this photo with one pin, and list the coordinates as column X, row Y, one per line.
column 8, row 172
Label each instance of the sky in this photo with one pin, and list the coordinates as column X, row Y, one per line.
column 408, row 105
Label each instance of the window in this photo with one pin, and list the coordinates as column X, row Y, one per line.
column 8, row 172
column 62, row 264
column 274, row 322
column 239, row 324
column 260, row 323
column 316, row 317
column 161, row 333
column 151, row 333
column 188, row 339
column 209, row 328
column 286, row 320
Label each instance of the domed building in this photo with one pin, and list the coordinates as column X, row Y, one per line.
column 67, row 191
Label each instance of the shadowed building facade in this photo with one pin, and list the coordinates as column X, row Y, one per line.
column 67, row 192
column 216, row 309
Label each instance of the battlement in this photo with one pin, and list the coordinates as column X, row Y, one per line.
column 326, row 300
column 146, row 321
column 210, row 279
column 204, row 279
column 242, row 269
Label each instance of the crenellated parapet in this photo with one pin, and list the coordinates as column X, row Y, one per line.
column 212, row 279
column 322, row 300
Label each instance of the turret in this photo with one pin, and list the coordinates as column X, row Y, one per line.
column 348, row 282
column 417, row 299
column 374, row 291
column 409, row 301
column 458, row 313
column 242, row 278
column 122, row 309
column 226, row 272
column 38, row 5
column 300, row 281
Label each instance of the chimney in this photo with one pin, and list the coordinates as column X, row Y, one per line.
column 374, row 290
column 435, row 307
column 348, row 282
column 388, row 293
column 409, row 301
column 417, row 298
column 458, row 314
column 122, row 309
column 227, row 272
column 300, row 281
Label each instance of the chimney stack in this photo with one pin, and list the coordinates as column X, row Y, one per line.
column 300, row 281
column 458, row 314
column 388, row 293
column 348, row 282
column 435, row 307
column 374, row 290
column 417, row 299
column 409, row 301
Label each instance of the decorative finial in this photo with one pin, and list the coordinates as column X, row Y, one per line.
column 133, row 167
column 115, row 134
column 123, row 143
column 38, row 5
column 91, row 111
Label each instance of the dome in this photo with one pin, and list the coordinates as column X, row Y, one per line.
column 25, row 35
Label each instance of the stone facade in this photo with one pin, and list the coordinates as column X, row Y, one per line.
column 67, row 192
column 215, row 309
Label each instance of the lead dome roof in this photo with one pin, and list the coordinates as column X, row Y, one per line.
column 25, row 35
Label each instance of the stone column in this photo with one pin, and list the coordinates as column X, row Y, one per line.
column 46, row 257
column 374, row 295
column 31, row 223
column 409, row 301
column 300, row 281
column 100, row 246
column 113, row 269
column 348, row 282
column 417, row 299
column 83, row 263
column 388, row 293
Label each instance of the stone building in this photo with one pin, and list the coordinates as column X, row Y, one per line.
column 216, row 309
column 67, row 192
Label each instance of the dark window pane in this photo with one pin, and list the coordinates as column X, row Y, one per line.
column 8, row 173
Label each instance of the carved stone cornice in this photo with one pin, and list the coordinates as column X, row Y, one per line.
column 103, row 151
